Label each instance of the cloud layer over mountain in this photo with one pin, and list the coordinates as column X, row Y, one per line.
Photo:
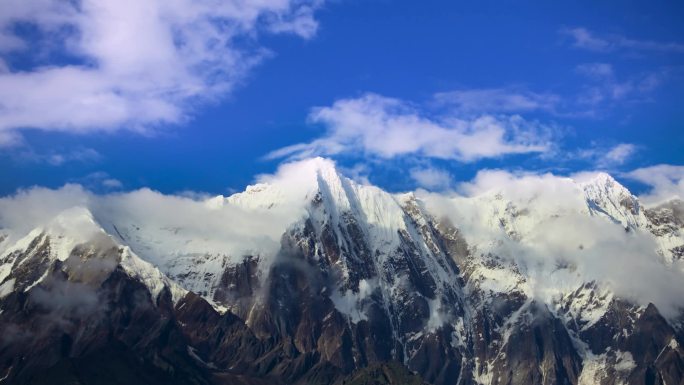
column 541, row 223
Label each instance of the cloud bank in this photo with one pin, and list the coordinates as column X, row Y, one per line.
column 431, row 178
column 105, row 65
column 386, row 128
column 158, row 226
column 541, row 223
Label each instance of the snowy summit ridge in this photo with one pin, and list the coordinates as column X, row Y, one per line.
column 306, row 247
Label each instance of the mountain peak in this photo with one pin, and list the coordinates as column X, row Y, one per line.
column 604, row 177
column 601, row 182
column 606, row 196
column 309, row 249
column 319, row 171
column 595, row 178
column 323, row 165
column 293, row 182
column 77, row 216
column 70, row 227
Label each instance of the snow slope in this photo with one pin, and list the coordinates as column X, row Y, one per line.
column 577, row 247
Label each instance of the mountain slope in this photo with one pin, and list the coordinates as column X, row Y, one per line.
column 309, row 277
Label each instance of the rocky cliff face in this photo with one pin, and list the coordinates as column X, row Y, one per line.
column 361, row 287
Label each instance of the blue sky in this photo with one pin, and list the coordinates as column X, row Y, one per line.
column 405, row 94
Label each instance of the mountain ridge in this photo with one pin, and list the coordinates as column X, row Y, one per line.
column 449, row 287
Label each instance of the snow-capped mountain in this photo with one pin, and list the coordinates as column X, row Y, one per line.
column 310, row 277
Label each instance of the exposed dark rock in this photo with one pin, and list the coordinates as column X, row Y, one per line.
column 391, row 373
column 89, row 322
column 123, row 336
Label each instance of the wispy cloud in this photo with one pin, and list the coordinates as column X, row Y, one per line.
column 58, row 157
column 10, row 139
column 132, row 64
column 606, row 157
column 386, row 128
column 606, row 87
column 618, row 154
column 583, row 38
column 596, row 70
column 492, row 100
column 431, row 178
column 99, row 181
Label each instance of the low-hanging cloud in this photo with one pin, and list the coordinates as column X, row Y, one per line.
column 126, row 64
column 431, row 178
column 158, row 225
column 547, row 230
column 556, row 244
column 387, row 128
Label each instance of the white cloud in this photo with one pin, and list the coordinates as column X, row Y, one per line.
column 140, row 63
column 557, row 246
column 666, row 182
column 30, row 208
column 491, row 100
column 161, row 226
column 586, row 39
column 431, row 178
column 352, row 303
column 619, row 154
column 552, row 228
column 604, row 157
column 358, row 172
column 300, row 21
column 388, row 128
column 549, row 192
column 583, row 38
column 112, row 183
